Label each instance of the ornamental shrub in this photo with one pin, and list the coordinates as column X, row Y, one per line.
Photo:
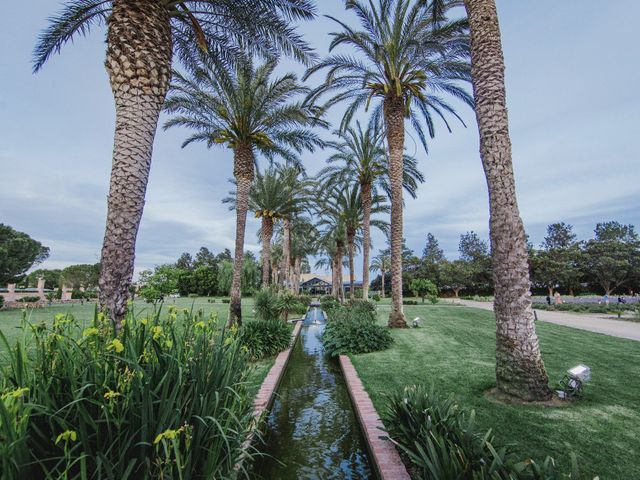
column 328, row 303
column 376, row 297
column 157, row 398
column 264, row 338
column 354, row 330
column 440, row 441
column 266, row 304
column 1, row 301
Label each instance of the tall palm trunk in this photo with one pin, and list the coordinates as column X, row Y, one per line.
column 350, row 252
column 383, row 275
column 139, row 66
column 267, row 233
column 297, row 269
column 394, row 110
column 243, row 173
column 339, row 257
column 334, row 275
column 286, row 249
column 519, row 367
column 366, row 236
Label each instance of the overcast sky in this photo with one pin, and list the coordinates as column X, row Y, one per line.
column 574, row 120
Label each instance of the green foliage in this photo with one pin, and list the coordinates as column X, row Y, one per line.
column 29, row 299
column 150, row 294
column 82, row 275
column 1, row 301
column 264, row 338
column 18, row 253
column 163, row 397
column 409, row 302
column 376, row 297
column 441, row 441
column 266, row 304
column 270, row 304
column 328, row 303
column 163, row 279
column 353, row 329
column 425, row 288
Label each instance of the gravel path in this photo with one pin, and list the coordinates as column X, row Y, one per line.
column 590, row 322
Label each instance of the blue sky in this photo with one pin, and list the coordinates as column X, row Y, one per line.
column 574, row 121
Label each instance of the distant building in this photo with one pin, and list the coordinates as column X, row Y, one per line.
column 315, row 284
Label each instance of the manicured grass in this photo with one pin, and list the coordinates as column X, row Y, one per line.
column 454, row 351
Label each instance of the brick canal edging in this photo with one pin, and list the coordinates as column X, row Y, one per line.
column 267, row 391
column 384, row 455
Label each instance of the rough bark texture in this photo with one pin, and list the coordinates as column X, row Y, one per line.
column 519, row 367
column 243, row 173
column 394, row 119
column 334, row 277
column 383, row 275
column 350, row 251
column 339, row 274
column 286, row 249
column 267, row 233
column 366, row 237
column 139, row 66
column 297, row 269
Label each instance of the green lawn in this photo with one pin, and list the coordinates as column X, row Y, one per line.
column 454, row 351
column 10, row 321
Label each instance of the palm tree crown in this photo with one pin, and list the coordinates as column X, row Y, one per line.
column 243, row 106
column 402, row 53
column 221, row 27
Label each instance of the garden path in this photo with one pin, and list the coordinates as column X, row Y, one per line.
column 590, row 322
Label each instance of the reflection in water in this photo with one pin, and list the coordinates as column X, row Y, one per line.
column 312, row 431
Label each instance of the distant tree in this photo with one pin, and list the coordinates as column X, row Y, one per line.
column 456, row 275
column 185, row 262
column 251, row 273
column 82, row 275
column 557, row 263
column 186, row 283
column 381, row 263
column 204, row 258
column 205, row 280
column 224, row 256
column 18, row 253
column 51, row 278
column 612, row 257
column 475, row 251
column 421, row 287
column 163, row 279
column 225, row 274
column 432, row 259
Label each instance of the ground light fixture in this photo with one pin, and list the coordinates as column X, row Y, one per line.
column 572, row 383
column 416, row 322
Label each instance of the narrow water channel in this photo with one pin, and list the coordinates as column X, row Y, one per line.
column 312, row 431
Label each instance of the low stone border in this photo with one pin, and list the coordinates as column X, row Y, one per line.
column 384, row 455
column 267, row 391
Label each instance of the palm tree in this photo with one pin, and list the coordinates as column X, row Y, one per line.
column 272, row 197
column 301, row 232
column 407, row 61
column 330, row 244
column 345, row 202
column 246, row 110
column 520, row 370
column 381, row 263
column 142, row 37
column 361, row 156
